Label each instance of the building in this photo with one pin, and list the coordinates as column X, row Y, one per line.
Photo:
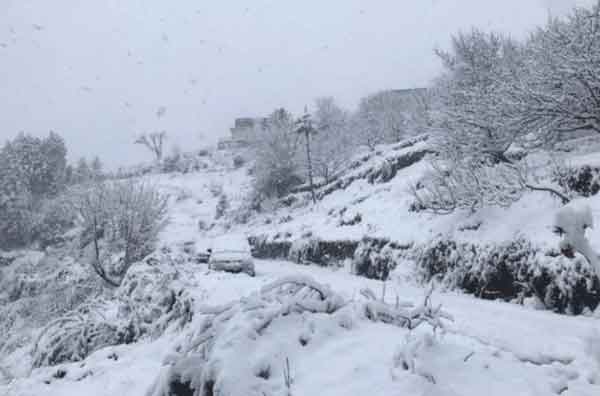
column 244, row 132
column 247, row 128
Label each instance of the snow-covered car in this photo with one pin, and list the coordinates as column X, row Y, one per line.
column 231, row 255
column 203, row 257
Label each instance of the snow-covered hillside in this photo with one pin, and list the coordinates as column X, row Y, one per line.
column 383, row 208
column 490, row 346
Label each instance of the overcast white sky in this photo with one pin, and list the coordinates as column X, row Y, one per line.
column 98, row 71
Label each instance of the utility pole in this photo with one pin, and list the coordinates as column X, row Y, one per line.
column 306, row 128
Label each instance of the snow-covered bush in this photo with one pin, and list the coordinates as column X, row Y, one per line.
column 583, row 181
column 37, row 288
column 222, row 206
column 264, row 248
column 407, row 356
column 55, row 218
column 207, row 359
column 242, row 214
column 305, row 251
column 513, row 271
column 74, row 336
column 468, row 183
column 238, row 161
column 375, row 258
column 183, row 162
column 120, row 222
column 406, row 315
column 269, row 328
column 150, row 299
column 152, row 294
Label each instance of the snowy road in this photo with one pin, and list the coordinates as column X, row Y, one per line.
column 492, row 348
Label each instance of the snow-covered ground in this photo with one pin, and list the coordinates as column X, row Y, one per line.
column 491, row 348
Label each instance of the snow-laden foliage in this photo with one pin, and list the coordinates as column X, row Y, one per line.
column 304, row 250
column 468, row 111
column 513, row 271
column 559, row 88
column 518, row 271
column 390, row 116
column 405, row 315
column 463, row 183
column 375, row 258
column 150, row 299
column 182, row 161
column 85, row 171
column 75, row 335
column 276, row 168
column 120, row 221
column 31, row 170
column 332, row 145
column 409, row 354
column 222, row 206
column 583, row 181
column 207, row 359
column 457, row 180
column 35, row 289
column 154, row 296
column 54, row 219
column 497, row 95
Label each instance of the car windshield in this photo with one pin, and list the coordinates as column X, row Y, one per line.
column 230, row 254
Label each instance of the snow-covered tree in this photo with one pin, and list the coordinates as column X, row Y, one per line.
column 96, row 168
column 377, row 120
column 276, row 167
column 82, row 172
column 31, row 170
column 54, row 153
column 154, row 141
column 464, row 183
column 559, row 92
column 39, row 163
column 16, row 204
column 475, row 123
column 470, row 114
column 332, row 145
column 121, row 221
column 389, row 116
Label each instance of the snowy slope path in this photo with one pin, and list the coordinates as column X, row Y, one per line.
column 492, row 348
